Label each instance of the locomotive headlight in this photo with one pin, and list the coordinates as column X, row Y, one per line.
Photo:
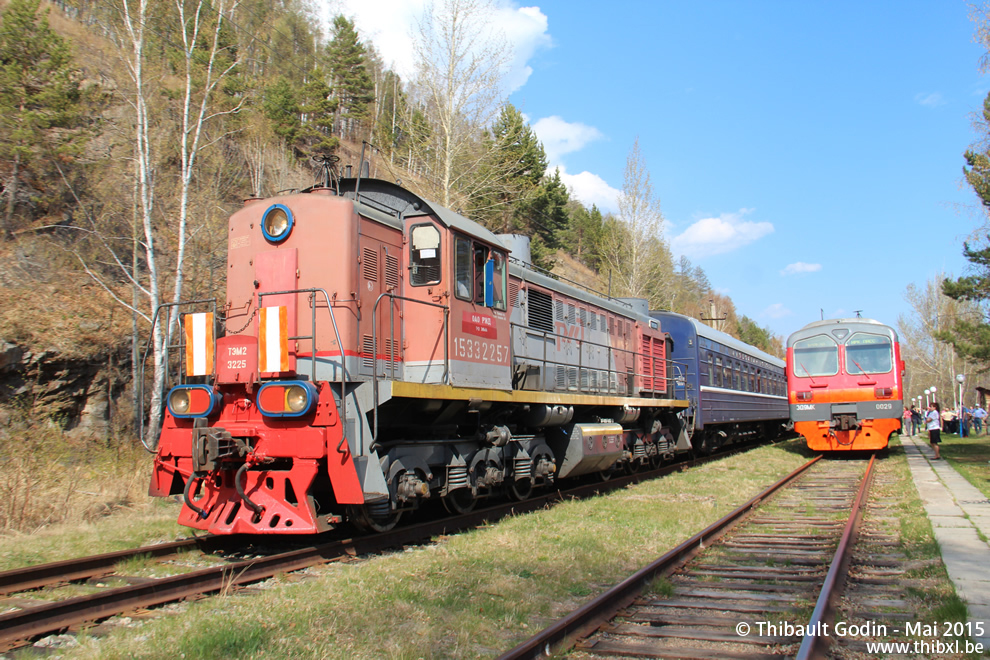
column 185, row 401
column 296, row 399
column 293, row 398
column 277, row 223
column 178, row 401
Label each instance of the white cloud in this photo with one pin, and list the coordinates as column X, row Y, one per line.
column 711, row 236
column 800, row 267
column 390, row 25
column 777, row 311
column 931, row 100
column 590, row 189
column 561, row 137
column 525, row 29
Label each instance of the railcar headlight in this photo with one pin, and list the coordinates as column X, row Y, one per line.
column 286, row 398
column 277, row 223
column 192, row 401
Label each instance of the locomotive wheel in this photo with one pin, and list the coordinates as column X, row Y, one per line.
column 521, row 490
column 459, row 501
column 360, row 516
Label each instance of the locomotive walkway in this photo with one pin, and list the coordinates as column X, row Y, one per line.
column 957, row 511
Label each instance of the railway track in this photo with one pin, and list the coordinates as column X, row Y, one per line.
column 25, row 592
column 776, row 572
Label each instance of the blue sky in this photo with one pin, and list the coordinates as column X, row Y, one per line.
column 807, row 155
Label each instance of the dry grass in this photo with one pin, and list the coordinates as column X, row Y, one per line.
column 50, row 479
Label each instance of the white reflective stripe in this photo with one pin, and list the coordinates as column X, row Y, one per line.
column 274, row 346
column 199, row 344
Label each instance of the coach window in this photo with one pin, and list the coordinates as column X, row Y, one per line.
column 424, row 255
column 711, row 371
column 727, row 374
column 718, row 372
column 869, row 354
column 816, row 356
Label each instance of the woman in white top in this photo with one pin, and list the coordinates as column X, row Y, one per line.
column 934, row 426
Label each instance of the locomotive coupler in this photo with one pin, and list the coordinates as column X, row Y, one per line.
column 212, row 445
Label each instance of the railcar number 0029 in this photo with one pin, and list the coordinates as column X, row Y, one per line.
column 485, row 351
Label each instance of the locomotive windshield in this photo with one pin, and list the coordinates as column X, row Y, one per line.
column 868, row 354
column 816, row 356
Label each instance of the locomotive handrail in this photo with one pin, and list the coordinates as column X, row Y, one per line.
column 374, row 344
column 587, row 342
column 336, row 333
column 167, row 347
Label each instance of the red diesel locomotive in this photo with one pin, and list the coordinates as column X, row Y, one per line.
column 376, row 350
column 844, row 384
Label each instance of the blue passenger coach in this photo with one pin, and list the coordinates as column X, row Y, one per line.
column 735, row 390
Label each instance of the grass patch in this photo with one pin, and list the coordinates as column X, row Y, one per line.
column 970, row 456
column 472, row 595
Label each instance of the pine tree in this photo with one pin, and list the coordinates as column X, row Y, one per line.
column 547, row 219
column 350, row 83
column 40, row 109
column 970, row 335
column 510, row 174
column 584, row 233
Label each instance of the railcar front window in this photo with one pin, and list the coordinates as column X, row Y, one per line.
column 868, row 354
column 816, row 356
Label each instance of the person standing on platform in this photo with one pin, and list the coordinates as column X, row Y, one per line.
column 979, row 415
column 917, row 419
column 934, row 425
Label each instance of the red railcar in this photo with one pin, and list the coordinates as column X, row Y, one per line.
column 845, row 384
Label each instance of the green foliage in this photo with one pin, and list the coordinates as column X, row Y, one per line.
column 970, row 336
column 350, row 83
column 748, row 331
column 40, row 103
column 513, row 167
column 546, row 215
column 281, row 108
column 584, row 233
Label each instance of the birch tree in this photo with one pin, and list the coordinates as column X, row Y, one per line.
column 460, row 67
column 207, row 59
column 635, row 256
column 930, row 359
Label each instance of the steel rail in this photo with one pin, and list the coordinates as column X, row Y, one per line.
column 83, row 568
column 32, row 622
column 593, row 614
column 814, row 646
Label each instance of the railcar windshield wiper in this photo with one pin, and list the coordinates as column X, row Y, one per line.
column 807, row 373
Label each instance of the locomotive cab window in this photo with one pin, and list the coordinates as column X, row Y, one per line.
column 816, row 356
column 479, row 273
column 868, row 354
column 424, row 255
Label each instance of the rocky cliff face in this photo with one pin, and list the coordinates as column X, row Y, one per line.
column 81, row 395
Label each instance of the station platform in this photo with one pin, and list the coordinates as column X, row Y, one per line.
column 957, row 511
